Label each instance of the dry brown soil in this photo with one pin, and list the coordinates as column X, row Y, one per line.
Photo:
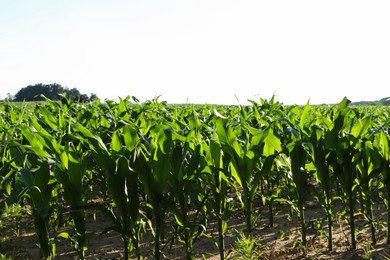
column 275, row 242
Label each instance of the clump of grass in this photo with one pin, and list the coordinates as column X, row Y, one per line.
column 245, row 247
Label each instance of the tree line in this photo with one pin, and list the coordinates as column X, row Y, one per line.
column 54, row 91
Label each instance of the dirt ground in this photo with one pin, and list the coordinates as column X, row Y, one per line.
column 277, row 242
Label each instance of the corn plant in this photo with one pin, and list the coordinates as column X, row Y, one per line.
column 344, row 146
column 218, row 179
column 188, row 190
column 69, row 168
column 297, row 147
column 188, row 184
column 8, row 169
column 324, row 178
column 382, row 142
column 246, row 158
column 369, row 168
column 124, row 184
column 37, row 191
column 300, row 185
column 155, row 174
column 35, row 177
column 122, row 181
column 12, row 158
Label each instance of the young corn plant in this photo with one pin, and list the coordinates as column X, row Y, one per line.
column 35, row 176
column 10, row 152
column 155, row 173
column 187, row 183
column 37, row 190
column 188, row 190
column 122, row 181
column 381, row 141
column 296, row 153
column 372, row 162
column 324, row 177
column 124, row 184
column 69, row 170
column 218, row 181
column 343, row 142
column 300, row 186
column 258, row 150
column 270, row 189
column 369, row 168
column 12, row 158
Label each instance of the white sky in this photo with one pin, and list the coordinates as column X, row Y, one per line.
column 199, row 51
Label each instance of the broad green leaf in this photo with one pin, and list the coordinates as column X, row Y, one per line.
column 304, row 115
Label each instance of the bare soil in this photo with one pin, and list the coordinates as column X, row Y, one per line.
column 278, row 242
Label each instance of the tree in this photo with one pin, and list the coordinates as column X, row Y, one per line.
column 35, row 92
column 73, row 94
column 93, row 97
column 53, row 91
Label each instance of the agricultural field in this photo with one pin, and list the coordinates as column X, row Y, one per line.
column 131, row 180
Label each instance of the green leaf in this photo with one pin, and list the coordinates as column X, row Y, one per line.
column 63, row 235
column 361, row 126
column 304, row 115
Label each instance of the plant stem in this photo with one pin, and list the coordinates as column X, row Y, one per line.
column 270, row 206
column 248, row 215
column 42, row 231
column 352, row 220
column 126, row 246
column 79, row 226
column 388, row 213
column 330, row 235
column 271, row 214
column 157, row 233
column 188, row 243
column 371, row 217
column 303, row 228
column 221, row 239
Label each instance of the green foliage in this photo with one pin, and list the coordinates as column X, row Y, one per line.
column 191, row 163
column 246, row 248
column 54, row 91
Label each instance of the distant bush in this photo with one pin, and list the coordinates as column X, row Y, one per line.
column 54, row 91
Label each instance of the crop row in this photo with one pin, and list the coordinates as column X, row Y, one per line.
column 153, row 160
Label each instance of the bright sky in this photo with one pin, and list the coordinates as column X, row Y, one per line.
column 199, row 51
